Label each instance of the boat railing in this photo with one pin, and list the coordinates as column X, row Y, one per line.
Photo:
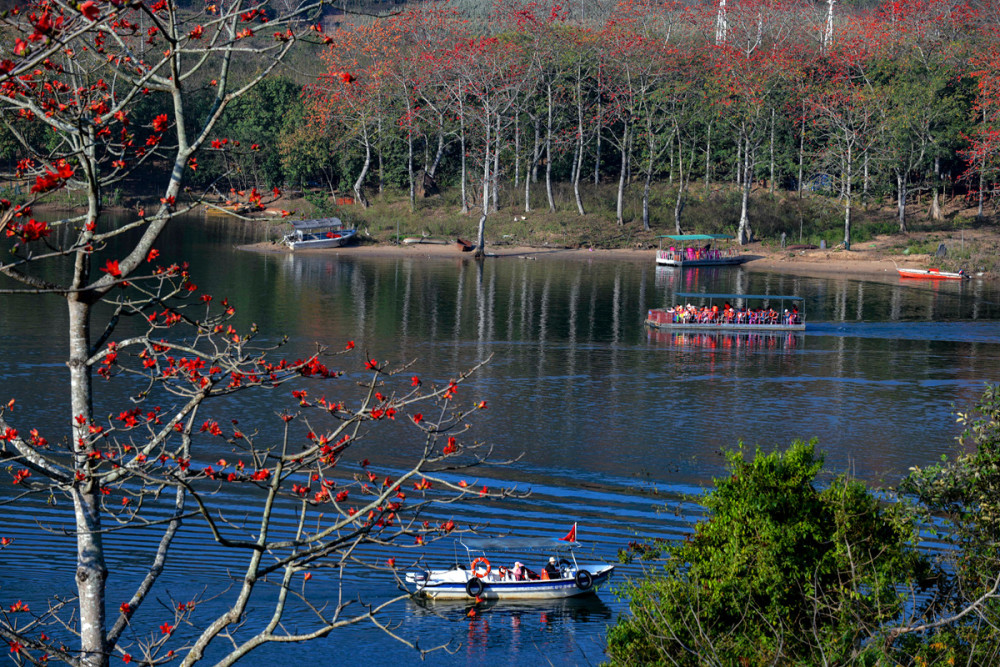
column 709, row 316
column 697, row 254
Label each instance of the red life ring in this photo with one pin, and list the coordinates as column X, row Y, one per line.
column 475, row 570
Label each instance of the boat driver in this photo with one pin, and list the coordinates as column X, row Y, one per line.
column 552, row 568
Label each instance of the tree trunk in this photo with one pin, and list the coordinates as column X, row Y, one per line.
column 548, row 153
column 481, row 234
column 864, row 183
column 440, row 147
column 409, row 160
column 517, row 151
column 847, row 199
column 359, row 192
column 679, row 203
column 739, row 162
column 536, row 149
column 579, row 146
column 91, row 570
column 620, row 206
column 708, row 157
column 745, row 233
column 378, row 157
column 651, row 151
column 802, row 151
column 461, row 141
column 770, row 181
column 597, row 147
column 901, row 200
column 936, row 200
column 496, row 169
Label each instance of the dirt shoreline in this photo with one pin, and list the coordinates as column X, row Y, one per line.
column 805, row 261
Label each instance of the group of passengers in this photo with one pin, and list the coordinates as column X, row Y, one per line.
column 522, row 573
column 688, row 314
column 691, row 254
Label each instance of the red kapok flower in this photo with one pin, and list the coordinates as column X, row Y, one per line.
column 90, row 10
column 111, row 268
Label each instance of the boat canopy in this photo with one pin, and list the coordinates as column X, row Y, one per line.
column 696, row 237
column 545, row 544
column 703, row 295
column 321, row 223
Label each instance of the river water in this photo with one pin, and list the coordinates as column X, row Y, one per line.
column 611, row 424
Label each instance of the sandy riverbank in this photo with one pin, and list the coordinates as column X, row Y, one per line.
column 867, row 262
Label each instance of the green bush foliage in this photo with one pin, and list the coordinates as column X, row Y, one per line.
column 780, row 572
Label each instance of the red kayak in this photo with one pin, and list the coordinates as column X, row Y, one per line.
column 931, row 274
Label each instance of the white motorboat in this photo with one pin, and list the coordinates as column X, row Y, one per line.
column 562, row 576
column 320, row 233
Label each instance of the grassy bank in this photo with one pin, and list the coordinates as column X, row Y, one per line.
column 813, row 220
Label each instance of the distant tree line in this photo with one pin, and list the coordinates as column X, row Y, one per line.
column 895, row 100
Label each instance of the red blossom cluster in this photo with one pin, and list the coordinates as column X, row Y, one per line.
column 52, row 180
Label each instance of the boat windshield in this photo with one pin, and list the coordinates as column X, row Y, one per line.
column 314, row 225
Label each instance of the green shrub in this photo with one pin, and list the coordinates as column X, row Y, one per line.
column 779, row 572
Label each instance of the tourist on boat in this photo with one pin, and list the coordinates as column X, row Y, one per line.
column 552, row 568
column 518, row 571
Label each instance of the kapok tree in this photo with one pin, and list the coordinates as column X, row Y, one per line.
column 73, row 82
column 487, row 75
column 848, row 108
column 983, row 155
column 752, row 66
column 354, row 91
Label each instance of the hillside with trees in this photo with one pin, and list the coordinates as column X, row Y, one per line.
column 654, row 106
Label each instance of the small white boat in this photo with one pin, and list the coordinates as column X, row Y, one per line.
column 685, row 254
column 931, row 274
column 730, row 312
column 320, row 233
column 562, row 576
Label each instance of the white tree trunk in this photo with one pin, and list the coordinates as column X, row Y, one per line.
column 465, row 169
column 359, row 192
column 901, row 200
column 620, row 206
column 828, row 31
column 481, row 233
column 745, row 233
column 721, row 24
column 548, row 153
column 847, row 198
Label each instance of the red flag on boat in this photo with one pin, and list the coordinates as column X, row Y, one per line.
column 570, row 536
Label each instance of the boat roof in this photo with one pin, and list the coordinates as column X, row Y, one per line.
column 518, row 544
column 703, row 295
column 695, row 237
column 317, row 223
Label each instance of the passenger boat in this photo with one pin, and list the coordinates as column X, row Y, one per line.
column 730, row 312
column 931, row 274
column 320, row 233
column 484, row 580
column 696, row 250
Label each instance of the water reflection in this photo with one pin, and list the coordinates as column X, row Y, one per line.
column 522, row 632
column 612, row 422
column 753, row 341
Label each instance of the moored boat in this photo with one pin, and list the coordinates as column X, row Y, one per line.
column 696, row 250
column 730, row 312
column 931, row 274
column 320, row 233
column 561, row 577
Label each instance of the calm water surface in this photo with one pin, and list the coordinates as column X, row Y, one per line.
column 613, row 423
